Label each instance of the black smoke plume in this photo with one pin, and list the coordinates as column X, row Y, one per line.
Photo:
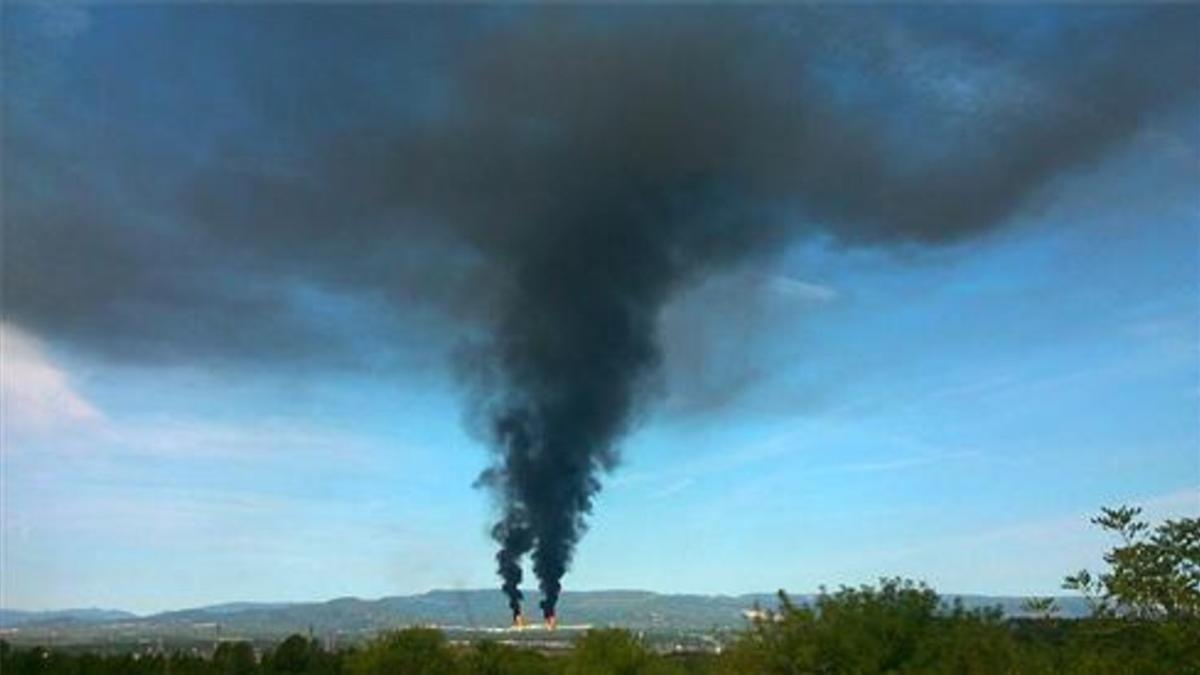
column 553, row 176
column 574, row 350
column 627, row 164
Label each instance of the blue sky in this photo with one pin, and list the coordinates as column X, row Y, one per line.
column 830, row 414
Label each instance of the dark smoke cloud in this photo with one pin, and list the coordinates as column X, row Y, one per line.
column 548, row 178
column 651, row 157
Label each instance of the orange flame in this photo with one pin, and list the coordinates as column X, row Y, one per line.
column 551, row 622
column 518, row 621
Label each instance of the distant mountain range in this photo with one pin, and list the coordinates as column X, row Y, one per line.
column 452, row 609
column 16, row 617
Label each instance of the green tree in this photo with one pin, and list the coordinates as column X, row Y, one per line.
column 615, row 652
column 898, row 626
column 413, row 651
column 181, row 663
column 293, row 655
column 961, row 642
column 234, row 658
column 854, row 630
column 298, row 654
column 1153, row 572
column 489, row 658
column 1040, row 607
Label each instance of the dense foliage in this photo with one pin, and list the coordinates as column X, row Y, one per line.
column 895, row 628
column 1152, row 573
column 1145, row 622
column 898, row 627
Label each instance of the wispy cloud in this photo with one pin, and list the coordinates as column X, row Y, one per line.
column 1069, row 538
column 908, row 452
column 1018, row 389
column 673, row 488
column 43, row 408
column 796, row 289
column 38, row 396
column 897, row 464
column 894, row 453
column 167, row 438
column 1184, row 502
column 1173, row 335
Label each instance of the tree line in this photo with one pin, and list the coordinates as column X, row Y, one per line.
column 1145, row 619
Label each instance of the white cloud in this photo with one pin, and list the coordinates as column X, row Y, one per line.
column 167, row 437
column 37, row 394
column 673, row 488
column 803, row 291
column 900, row 463
column 1062, row 543
column 1183, row 503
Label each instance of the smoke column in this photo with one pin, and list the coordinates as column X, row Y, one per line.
column 574, row 351
column 622, row 165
